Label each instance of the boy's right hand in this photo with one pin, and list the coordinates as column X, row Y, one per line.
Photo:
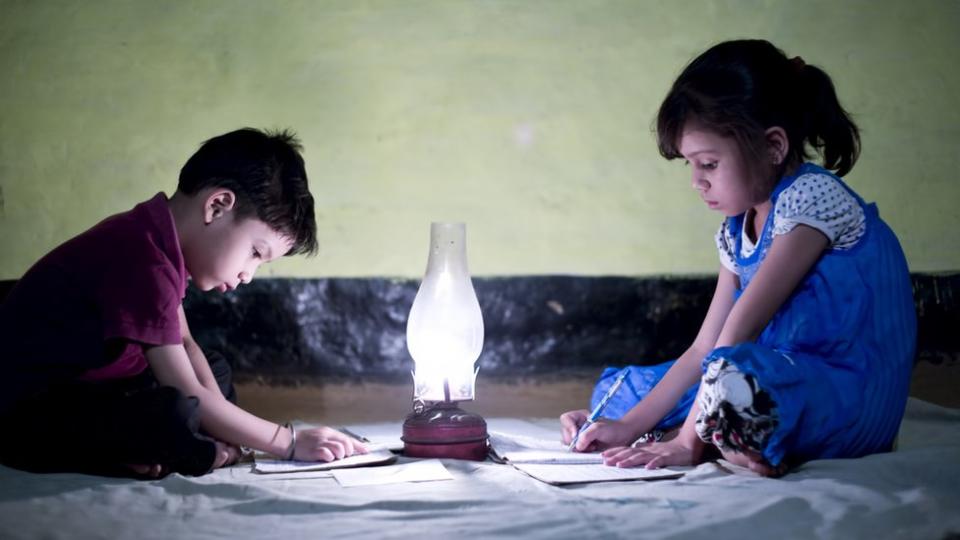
column 325, row 444
column 602, row 434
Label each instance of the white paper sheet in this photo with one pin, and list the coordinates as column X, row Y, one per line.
column 387, row 435
column 522, row 449
column 394, row 444
column 428, row 470
column 550, row 461
column 376, row 455
column 583, row 473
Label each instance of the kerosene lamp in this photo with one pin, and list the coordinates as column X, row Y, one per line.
column 445, row 337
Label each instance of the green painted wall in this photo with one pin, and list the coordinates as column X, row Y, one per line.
column 529, row 120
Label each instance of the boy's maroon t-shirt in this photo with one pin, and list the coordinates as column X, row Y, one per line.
column 85, row 311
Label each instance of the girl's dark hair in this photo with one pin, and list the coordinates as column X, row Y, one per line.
column 266, row 173
column 741, row 88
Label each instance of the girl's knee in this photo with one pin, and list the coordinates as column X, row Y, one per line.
column 735, row 412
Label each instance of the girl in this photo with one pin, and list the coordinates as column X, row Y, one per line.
column 807, row 346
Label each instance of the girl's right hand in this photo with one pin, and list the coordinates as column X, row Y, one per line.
column 325, row 444
column 602, row 434
column 570, row 423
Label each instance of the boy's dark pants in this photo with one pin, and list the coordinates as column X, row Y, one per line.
column 100, row 428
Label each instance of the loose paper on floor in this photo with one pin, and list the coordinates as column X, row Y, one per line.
column 418, row 471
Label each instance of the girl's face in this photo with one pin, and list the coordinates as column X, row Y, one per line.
column 231, row 251
column 718, row 171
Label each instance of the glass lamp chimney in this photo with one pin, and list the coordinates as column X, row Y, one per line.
column 445, row 326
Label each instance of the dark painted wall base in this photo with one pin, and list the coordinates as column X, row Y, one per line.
column 296, row 330
column 285, row 328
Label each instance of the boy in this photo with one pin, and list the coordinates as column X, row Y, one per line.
column 100, row 373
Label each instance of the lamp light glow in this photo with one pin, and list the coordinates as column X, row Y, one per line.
column 445, row 338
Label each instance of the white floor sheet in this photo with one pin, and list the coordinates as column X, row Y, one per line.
column 911, row 493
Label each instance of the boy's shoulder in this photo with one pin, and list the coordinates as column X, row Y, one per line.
column 139, row 244
column 136, row 236
column 122, row 279
column 122, row 252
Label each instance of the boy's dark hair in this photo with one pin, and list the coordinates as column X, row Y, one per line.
column 740, row 88
column 266, row 173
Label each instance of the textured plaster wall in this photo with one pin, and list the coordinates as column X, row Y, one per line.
column 529, row 120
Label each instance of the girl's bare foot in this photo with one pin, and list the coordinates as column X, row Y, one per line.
column 755, row 462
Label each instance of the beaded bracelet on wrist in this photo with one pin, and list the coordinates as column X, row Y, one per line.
column 293, row 441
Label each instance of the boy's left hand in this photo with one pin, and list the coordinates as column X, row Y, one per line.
column 325, row 444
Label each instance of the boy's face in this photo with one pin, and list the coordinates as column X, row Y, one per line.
column 229, row 250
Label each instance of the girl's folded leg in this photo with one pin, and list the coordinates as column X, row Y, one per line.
column 736, row 414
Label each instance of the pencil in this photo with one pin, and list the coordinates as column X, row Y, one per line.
column 598, row 410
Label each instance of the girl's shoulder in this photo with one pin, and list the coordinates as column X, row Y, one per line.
column 817, row 198
column 808, row 175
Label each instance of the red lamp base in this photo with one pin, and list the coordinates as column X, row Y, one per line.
column 444, row 430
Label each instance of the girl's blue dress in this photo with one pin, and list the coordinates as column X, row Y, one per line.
column 836, row 358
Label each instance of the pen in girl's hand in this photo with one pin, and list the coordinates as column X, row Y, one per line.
column 598, row 410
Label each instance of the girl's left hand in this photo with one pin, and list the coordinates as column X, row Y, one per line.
column 654, row 455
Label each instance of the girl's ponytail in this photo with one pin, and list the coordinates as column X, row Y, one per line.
column 826, row 126
column 741, row 88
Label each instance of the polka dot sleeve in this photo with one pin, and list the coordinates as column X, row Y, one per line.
column 726, row 246
column 821, row 202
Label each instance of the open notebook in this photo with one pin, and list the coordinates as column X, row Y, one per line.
column 376, row 455
column 549, row 461
column 514, row 449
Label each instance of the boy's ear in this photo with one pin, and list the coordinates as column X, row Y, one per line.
column 778, row 144
column 217, row 204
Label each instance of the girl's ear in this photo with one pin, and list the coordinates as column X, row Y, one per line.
column 217, row 204
column 778, row 145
